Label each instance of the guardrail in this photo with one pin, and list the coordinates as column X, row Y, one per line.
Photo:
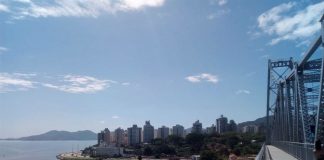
column 262, row 153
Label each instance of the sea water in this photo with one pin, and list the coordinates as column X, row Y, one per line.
column 39, row 150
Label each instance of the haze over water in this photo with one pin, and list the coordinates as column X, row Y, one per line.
column 38, row 150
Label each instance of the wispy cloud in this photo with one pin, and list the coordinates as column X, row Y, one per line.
column 67, row 83
column 139, row 4
column 77, row 8
column 115, row 117
column 243, row 91
column 219, row 2
column 285, row 22
column 218, row 14
column 125, row 84
column 4, row 8
column 15, row 82
column 102, row 122
column 3, row 49
column 80, row 84
column 207, row 77
column 25, row 75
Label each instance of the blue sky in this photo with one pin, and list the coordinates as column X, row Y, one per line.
column 83, row 64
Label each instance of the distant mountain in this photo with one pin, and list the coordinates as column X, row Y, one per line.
column 261, row 122
column 61, row 135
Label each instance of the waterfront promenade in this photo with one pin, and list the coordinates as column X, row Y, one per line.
column 78, row 156
column 73, row 156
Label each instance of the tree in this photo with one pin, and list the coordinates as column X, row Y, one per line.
column 157, row 141
column 148, row 151
column 175, row 140
column 237, row 151
column 196, row 141
column 165, row 149
column 232, row 141
column 209, row 155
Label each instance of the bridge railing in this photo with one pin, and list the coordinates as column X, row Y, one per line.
column 302, row 151
column 262, row 153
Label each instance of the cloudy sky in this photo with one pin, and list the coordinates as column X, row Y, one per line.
column 85, row 64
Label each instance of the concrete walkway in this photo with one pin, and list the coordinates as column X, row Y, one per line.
column 278, row 154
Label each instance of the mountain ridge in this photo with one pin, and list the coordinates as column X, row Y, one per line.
column 55, row 135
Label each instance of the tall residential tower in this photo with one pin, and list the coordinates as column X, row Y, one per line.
column 221, row 124
column 134, row 134
column 148, row 132
column 196, row 127
column 119, row 137
column 178, row 130
column 163, row 132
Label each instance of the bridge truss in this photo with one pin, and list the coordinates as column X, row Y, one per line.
column 295, row 101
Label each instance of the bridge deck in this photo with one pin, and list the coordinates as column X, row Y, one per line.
column 278, row 154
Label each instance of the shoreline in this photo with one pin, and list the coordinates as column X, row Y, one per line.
column 42, row 140
column 73, row 156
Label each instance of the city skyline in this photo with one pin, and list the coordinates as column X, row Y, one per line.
column 185, row 130
column 75, row 65
column 148, row 132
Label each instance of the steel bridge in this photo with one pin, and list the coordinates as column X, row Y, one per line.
column 295, row 105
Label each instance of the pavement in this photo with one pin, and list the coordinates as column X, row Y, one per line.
column 278, row 154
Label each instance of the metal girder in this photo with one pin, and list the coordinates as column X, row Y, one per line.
column 310, row 51
column 282, row 63
column 304, row 108
column 275, row 86
column 311, row 97
column 313, row 65
column 295, row 100
column 311, row 78
column 319, row 133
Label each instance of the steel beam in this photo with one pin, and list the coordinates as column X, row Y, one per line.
column 310, row 51
column 268, row 134
column 319, row 130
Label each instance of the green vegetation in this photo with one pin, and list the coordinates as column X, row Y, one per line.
column 209, row 155
column 209, row 147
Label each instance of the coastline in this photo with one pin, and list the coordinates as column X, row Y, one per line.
column 73, row 156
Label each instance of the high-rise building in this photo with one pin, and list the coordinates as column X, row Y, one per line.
column 155, row 133
column 196, row 127
column 178, row 130
column 221, row 124
column 186, row 132
column 104, row 137
column 107, row 136
column 250, row 129
column 134, row 135
column 112, row 137
column 163, row 132
column 119, row 137
column 148, row 132
column 211, row 129
column 125, row 138
column 101, row 137
column 232, row 127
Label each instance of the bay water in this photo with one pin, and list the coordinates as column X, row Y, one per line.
column 39, row 150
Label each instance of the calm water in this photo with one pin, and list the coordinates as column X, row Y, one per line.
column 38, row 150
